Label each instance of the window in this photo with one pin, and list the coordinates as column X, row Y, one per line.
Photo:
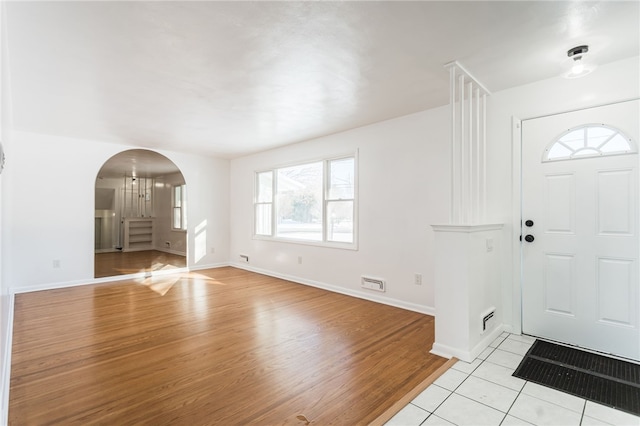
column 178, row 204
column 591, row 140
column 311, row 202
column 264, row 203
column 340, row 200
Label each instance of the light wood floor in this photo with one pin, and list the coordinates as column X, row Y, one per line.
column 116, row 263
column 222, row 346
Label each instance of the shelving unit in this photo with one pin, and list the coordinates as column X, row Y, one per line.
column 138, row 233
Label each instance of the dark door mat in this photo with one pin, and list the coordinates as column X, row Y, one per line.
column 607, row 381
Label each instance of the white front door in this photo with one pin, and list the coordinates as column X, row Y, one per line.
column 581, row 274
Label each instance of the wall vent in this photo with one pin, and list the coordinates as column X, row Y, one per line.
column 371, row 283
column 488, row 320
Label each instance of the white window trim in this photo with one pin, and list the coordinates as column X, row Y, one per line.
column 633, row 148
column 325, row 184
column 256, row 203
column 183, row 219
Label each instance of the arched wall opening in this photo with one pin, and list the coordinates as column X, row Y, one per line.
column 140, row 215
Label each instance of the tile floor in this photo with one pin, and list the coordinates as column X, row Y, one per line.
column 485, row 393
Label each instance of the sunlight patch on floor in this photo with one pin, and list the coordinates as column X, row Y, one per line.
column 163, row 283
column 160, row 285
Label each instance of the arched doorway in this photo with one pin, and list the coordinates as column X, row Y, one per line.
column 140, row 220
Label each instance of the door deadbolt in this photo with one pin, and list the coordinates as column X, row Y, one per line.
column 529, row 238
column 529, row 223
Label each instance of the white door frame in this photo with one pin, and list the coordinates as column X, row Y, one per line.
column 513, row 296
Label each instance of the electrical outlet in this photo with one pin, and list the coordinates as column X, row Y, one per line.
column 244, row 258
column 418, row 279
column 213, row 250
column 489, row 244
column 299, row 260
column 56, row 263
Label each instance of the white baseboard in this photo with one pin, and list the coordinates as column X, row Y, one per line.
column 5, row 380
column 171, row 251
column 209, row 266
column 509, row 329
column 427, row 310
column 90, row 281
column 52, row 286
column 467, row 355
column 443, row 351
column 486, row 341
column 162, row 249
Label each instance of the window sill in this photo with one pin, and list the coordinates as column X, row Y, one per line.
column 333, row 245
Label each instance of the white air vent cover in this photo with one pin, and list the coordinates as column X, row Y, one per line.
column 371, row 283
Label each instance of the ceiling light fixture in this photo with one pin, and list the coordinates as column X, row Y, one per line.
column 578, row 66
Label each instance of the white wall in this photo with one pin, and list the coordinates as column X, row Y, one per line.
column 609, row 83
column 5, row 298
column 48, row 200
column 403, row 188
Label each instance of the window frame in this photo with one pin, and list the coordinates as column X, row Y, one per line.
column 257, row 202
column 181, row 207
column 633, row 148
column 326, row 161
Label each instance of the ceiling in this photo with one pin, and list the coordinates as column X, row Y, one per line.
column 231, row 78
column 141, row 163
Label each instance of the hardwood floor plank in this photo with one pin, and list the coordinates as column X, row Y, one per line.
column 221, row 346
column 114, row 263
column 407, row 398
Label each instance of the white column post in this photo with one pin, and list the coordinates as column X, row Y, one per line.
column 467, row 98
column 467, row 270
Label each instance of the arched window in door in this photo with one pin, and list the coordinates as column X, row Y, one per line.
column 589, row 140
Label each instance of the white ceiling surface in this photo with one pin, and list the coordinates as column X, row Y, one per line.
column 137, row 163
column 231, row 78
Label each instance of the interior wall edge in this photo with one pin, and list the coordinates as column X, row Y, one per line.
column 426, row 310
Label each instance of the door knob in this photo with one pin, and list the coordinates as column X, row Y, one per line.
column 529, row 238
column 529, row 223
